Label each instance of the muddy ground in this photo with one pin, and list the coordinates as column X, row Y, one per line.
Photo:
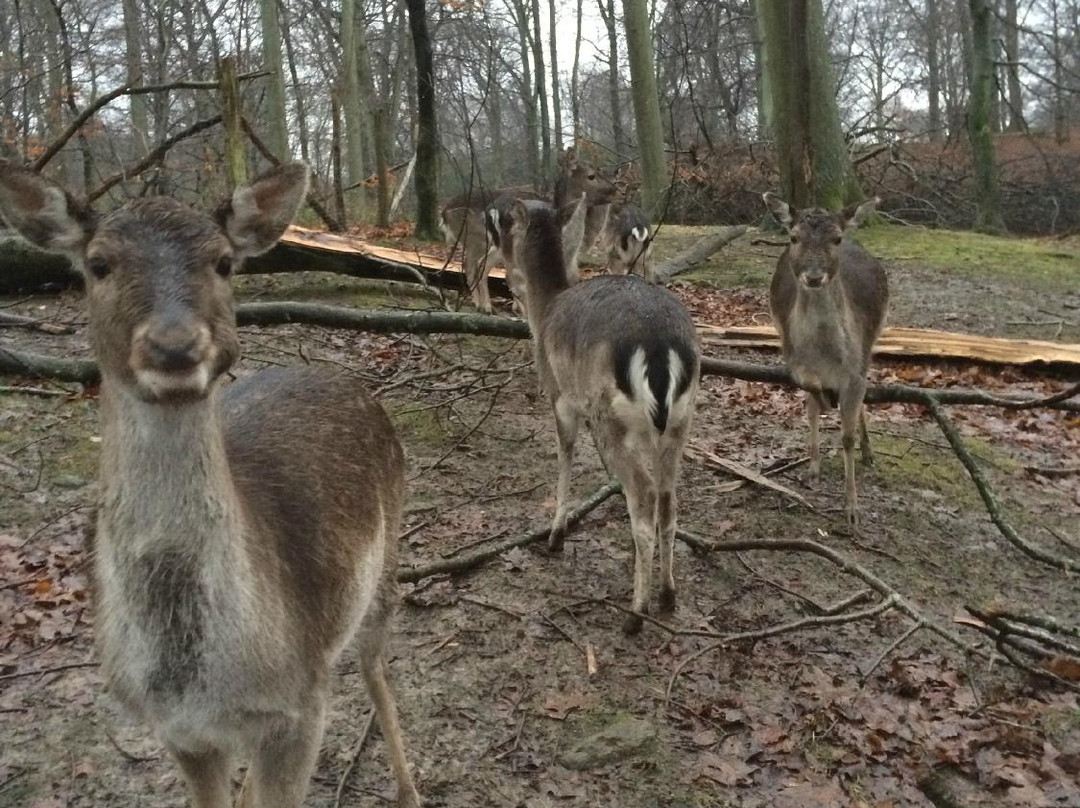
column 491, row 667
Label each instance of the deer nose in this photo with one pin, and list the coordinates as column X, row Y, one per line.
column 173, row 347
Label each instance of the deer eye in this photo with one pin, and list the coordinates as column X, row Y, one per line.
column 224, row 266
column 98, row 267
column 592, row 177
column 794, row 239
column 837, row 239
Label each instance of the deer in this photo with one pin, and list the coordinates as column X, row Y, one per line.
column 627, row 240
column 245, row 532
column 621, row 355
column 829, row 298
column 464, row 218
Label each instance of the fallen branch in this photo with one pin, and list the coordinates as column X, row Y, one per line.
column 469, row 560
column 39, row 366
column 1055, row 659
column 698, row 253
column 34, row 324
column 989, row 498
column 730, row 466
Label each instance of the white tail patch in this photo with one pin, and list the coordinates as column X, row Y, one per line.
column 640, row 233
column 639, row 382
column 676, row 372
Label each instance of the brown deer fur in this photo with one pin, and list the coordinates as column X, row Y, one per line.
column 245, row 534
column 621, row 355
column 829, row 298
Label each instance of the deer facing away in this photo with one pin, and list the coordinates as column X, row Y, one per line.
column 465, row 218
column 829, row 298
column 622, row 356
column 245, row 534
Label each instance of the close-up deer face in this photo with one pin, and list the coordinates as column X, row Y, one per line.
column 158, row 289
column 157, row 273
column 817, row 237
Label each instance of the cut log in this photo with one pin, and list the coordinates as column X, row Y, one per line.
column 921, row 343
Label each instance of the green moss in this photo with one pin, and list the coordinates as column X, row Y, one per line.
column 329, row 288
column 736, row 265
column 1036, row 263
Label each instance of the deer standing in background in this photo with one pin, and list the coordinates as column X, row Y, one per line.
column 829, row 298
column 465, row 218
column 622, row 356
column 244, row 535
column 627, row 240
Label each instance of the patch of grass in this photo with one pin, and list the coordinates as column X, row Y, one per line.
column 1036, row 263
column 736, row 265
column 330, row 288
column 412, row 424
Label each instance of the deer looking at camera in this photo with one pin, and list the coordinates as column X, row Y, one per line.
column 622, row 356
column 466, row 217
column 829, row 298
column 244, row 534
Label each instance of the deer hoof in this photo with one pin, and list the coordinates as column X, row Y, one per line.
column 667, row 601
column 632, row 624
column 557, row 539
column 852, row 513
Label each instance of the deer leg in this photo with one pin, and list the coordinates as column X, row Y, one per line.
column 376, row 672
column 281, row 769
column 666, row 475
column 850, row 407
column 207, row 776
column 864, row 438
column 567, row 423
column 813, row 415
column 648, row 271
column 477, row 265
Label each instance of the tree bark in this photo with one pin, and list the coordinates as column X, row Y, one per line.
column 351, row 106
column 547, row 169
column 987, row 207
column 298, row 91
column 575, row 101
column 650, row 133
column 556, row 102
column 231, row 117
column 277, row 127
column 528, row 98
column 1012, row 67
column 133, row 61
column 427, row 140
column 933, row 68
column 618, row 136
column 815, row 168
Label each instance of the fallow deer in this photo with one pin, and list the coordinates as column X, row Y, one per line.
column 627, row 240
column 464, row 217
column 622, row 356
column 245, row 532
column 829, row 298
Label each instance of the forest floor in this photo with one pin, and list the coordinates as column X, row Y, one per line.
column 498, row 703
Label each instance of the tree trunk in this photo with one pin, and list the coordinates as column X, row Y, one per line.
column 933, row 69
column 532, row 134
column 298, row 91
column 1061, row 118
column 427, row 140
column 815, row 168
column 547, row 168
column 987, row 211
column 381, row 127
column 133, row 59
column 556, row 103
column 231, row 113
column 650, row 133
column 618, row 138
column 351, row 104
column 277, row 127
column 575, row 101
column 335, row 158
column 495, row 120
column 1012, row 57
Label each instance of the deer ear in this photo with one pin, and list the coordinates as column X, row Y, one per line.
column 854, row 215
column 43, row 214
column 784, row 213
column 519, row 216
column 257, row 215
column 569, row 158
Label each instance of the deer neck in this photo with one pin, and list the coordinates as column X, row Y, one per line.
column 165, row 475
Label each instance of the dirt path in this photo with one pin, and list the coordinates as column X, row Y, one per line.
column 491, row 667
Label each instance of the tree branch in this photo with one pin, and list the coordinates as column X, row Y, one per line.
column 698, row 253
column 153, row 157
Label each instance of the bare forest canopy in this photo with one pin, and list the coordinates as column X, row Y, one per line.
column 515, row 81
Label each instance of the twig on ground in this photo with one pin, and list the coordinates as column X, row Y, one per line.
column 33, row 391
column 989, row 498
column 47, row 671
column 695, row 452
column 907, row 635
column 125, row 754
column 470, row 560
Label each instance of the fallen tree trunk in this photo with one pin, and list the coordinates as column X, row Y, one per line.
column 438, row 322
column 698, row 254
